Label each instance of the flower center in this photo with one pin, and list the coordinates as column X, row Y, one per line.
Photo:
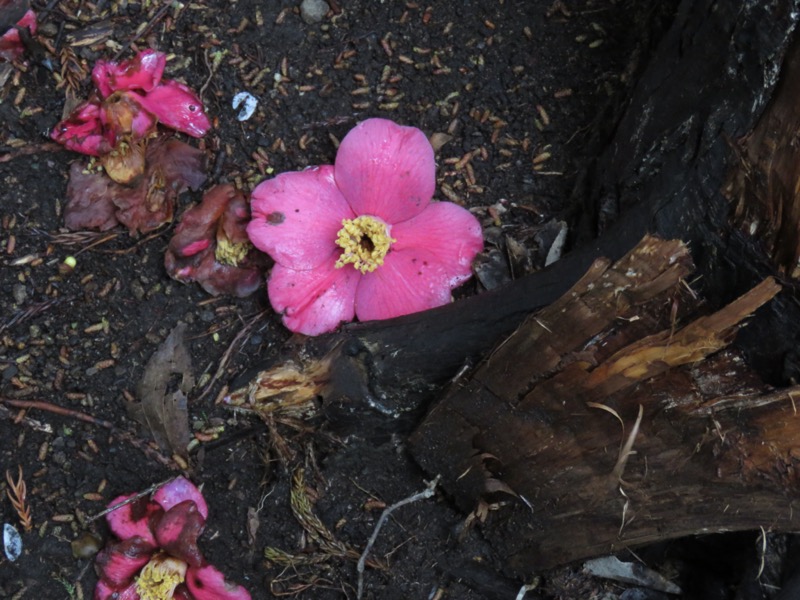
column 365, row 242
column 159, row 578
column 230, row 253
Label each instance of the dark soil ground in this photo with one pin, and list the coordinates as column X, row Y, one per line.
column 522, row 87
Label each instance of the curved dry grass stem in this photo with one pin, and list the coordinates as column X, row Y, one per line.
column 17, row 493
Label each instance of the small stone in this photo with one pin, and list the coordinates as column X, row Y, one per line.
column 313, row 11
column 137, row 289
column 19, row 293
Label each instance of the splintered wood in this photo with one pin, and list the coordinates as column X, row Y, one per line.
column 616, row 417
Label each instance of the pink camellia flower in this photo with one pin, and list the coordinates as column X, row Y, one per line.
column 157, row 554
column 131, row 100
column 362, row 237
column 11, row 46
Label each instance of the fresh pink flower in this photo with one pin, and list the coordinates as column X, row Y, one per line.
column 156, row 555
column 132, row 98
column 11, row 46
column 362, row 237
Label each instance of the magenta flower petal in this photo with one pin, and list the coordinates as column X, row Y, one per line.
column 176, row 106
column 11, row 45
column 142, row 72
column 177, row 532
column 132, row 519
column 82, row 131
column 296, row 217
column 119, row 562
column 314, row 301
column 179, row 490
column 409, row 281
column 449, row 232
column 207, row 583
column 143, row 123
column 386, row 170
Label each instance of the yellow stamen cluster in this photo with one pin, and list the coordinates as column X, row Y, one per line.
column 229, row 253
column 159, row 578
column 365, row 242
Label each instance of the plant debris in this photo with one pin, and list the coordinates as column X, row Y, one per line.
column 163, row 406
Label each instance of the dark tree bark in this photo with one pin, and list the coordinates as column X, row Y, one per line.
column 615, row 418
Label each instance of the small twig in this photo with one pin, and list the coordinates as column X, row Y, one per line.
column 424, row 494
column 133, row 498
column 17, row 492
column 32, row 423
column 31, row 149
column 243, row 334
column 74, row 414
column 627, row 450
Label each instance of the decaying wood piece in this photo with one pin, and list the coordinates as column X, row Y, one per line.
column 608, row 420
column 765, row 185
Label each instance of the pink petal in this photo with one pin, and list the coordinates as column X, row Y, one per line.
column 119, row 562
column 207, row 583
column 449, row 232
column 143, row 124
column 179, row 490
column 296, row 217
column 142, row 72
column 11, row 46
column 177, row 532
column 386, row 170
column 409, row 281
column 28, row 20
column 133, row 519
column 82, row 131
column 194, row 247
column 176, row 106
column 314, row 301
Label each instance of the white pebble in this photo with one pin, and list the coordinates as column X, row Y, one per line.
column 248, row 102
column 313, row 11
column 12, row 542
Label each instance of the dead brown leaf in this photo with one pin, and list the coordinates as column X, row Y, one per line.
column 163, row 391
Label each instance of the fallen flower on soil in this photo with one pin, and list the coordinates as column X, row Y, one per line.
column 362, row 237
column 131, row 100
column 156, row 556
column 211, row 247
column 11, row 46
column 94, row 201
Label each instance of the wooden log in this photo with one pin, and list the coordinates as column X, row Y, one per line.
column 602, row 420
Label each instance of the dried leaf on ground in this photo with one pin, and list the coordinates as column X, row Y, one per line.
column 163, row 391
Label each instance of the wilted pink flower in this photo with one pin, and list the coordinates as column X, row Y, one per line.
column 362, row 237
column 210, row 245
column 95, row 201
column 156, row 555
column 11, row 46
column 131, row 99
